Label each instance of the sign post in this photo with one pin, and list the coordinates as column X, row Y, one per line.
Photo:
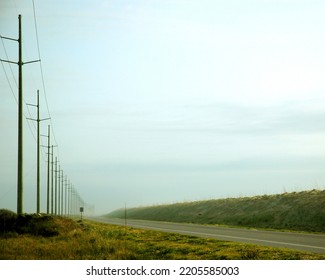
column 81, row 210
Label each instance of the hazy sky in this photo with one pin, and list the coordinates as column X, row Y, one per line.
column 164, row 101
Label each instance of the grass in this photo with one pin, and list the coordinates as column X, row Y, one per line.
column 76, row 240
column 298, row 211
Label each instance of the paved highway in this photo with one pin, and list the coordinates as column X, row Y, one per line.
column 298, row 241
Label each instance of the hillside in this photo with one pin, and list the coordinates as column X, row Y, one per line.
column 303, row 211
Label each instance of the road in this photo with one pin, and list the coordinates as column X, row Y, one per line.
column 298, row 241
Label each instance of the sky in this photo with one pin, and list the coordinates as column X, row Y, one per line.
column 161, row 101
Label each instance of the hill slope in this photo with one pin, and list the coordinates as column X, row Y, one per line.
column 295, row 211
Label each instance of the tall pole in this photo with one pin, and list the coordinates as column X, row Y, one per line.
column 20, row 161
column 52, row 193
column 65, row 195
column 38, row 188
column 20, row 181
column 52, row 180
column 59, row 198
column 68, row 189
column 72, row 201
column 62, row 193
column 48, row 171
column 38, row 206
column 56, row 189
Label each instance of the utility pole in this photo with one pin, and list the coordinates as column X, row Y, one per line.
column 38, row 120
column 48, row 170
column 52, row 182
column 72, row 200
column 59, row 197
column 69, row 186
column 62, row 194
column 65, row 195
column 20, row 63
column 52, row 178
column 56, row 180
column 68, row 190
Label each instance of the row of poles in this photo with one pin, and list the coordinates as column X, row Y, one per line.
column 61, row 197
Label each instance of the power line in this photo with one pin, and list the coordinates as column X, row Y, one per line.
column 10, row 86
column 63, row 193
column 4, row 69
column 44, row 87
column 42, row 75
column 20, row 63
column 41, row 70
column 11, row 89
column 38, row 120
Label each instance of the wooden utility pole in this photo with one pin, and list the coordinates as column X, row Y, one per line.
column 20, row 63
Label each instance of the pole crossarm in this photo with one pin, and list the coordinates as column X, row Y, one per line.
column 32, row 119
column 31, row 105
column 22, row 63
column 44, row 119
column 8, row 38
column 9, row 61
column 38, row 121
column 33, row 61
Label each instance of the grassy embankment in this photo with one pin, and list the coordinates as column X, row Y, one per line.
column 299, row 211
column 57, row 238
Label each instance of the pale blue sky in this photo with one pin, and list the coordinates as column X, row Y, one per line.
column 164, row 101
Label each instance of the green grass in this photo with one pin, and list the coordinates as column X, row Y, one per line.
column 76, row 240
column 299, row 211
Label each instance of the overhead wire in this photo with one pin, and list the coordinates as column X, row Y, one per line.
column 14, row 78
column 43, row 80
column 4, row 70
column 41, row 70
column 9, row 81
column 11, row 87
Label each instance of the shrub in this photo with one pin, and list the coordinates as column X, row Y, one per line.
column 7, row 221
column 33, row 224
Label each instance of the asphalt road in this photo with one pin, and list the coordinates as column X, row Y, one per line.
column 298, row 241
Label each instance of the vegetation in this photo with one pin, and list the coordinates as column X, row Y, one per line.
column 302, row 211
column 55, row 238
